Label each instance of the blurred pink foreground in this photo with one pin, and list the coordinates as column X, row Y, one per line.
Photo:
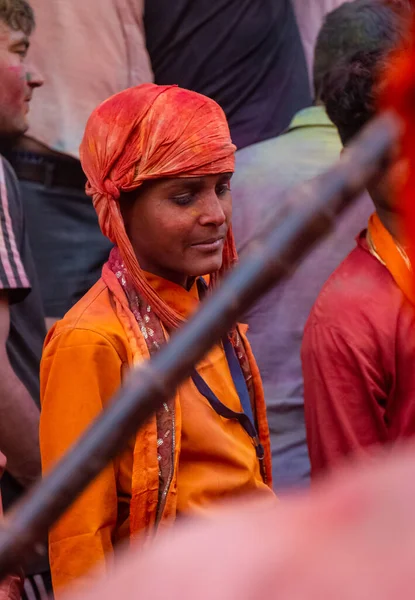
column 352, row 537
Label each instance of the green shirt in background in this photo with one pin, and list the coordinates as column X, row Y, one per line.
column 264, row 172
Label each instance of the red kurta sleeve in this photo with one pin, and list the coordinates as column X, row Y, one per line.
column 344, row 392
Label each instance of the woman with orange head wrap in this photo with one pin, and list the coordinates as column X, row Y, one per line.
column 159, row 162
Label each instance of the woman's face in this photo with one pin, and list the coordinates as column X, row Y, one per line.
column 178, row 227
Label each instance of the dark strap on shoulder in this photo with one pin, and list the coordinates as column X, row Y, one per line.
column 246, row 417
column 238, row 378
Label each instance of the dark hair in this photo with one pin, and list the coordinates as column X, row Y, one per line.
column 18, row 15
column 362, row 25
column 349, row 92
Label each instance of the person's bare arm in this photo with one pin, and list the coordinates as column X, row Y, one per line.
column 19, row 415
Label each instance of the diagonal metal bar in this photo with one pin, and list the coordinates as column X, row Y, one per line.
column 309, row 214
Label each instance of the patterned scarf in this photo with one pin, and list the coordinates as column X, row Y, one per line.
column 155, row 336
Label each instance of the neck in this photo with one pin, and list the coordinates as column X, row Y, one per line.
column 390, row 220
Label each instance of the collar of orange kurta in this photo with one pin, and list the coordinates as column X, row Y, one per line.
column 183, row 301
column 391, row 254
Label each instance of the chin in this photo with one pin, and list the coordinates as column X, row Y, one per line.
column 208, row 266
column 14, row 129
column 24, row 126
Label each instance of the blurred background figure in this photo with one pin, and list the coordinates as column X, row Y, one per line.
column 87, row 51
column 264, row 172
column 245, row 54
column 22, row 324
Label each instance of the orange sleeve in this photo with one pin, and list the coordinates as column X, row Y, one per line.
column 80, row 371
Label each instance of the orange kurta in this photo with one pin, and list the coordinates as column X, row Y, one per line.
column 85, row 357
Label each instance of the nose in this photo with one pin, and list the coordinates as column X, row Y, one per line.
column 213, row 212
column 34, row 78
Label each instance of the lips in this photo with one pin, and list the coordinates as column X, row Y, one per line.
column 210, row 244
column 27, row 102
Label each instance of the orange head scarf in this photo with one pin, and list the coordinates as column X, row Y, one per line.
column 149, row 132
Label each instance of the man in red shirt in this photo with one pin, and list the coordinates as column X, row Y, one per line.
column 358, row 350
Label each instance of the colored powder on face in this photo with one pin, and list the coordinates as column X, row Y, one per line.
column 14, row 91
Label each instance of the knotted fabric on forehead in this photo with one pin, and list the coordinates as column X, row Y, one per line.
column 150, row 132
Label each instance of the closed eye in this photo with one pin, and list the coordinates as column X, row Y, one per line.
column 183, row 199
column 21, row 48
column 223, row 189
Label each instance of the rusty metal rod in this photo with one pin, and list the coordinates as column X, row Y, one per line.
column 311, row 209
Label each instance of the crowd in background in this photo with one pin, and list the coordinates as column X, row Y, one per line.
column 297, row 81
